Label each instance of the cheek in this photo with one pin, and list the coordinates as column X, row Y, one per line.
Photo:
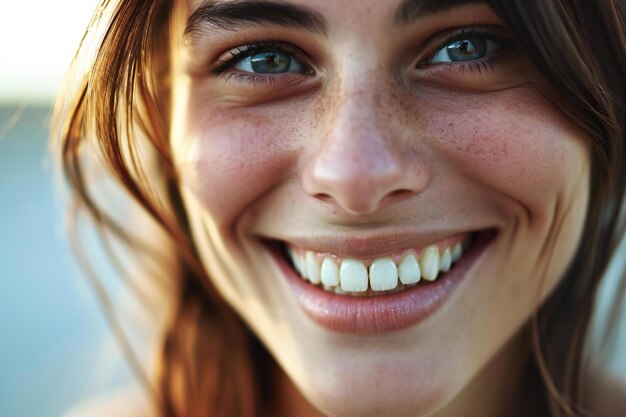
column 230, row 160
column 518, row 145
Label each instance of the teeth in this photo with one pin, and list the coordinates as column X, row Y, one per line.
column 353, row 276
column 297, row 262
column 446, row 261
column 429, row 265
column 457, row 251
column 409, row 271
column 339, row 291
column 383, row 275
column 312, row 268
column 330, row 273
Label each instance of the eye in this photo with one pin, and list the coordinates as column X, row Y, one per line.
column 262, row 58
column 264, row 64
column 269, row 62
column 484, row 58
column 466, row 48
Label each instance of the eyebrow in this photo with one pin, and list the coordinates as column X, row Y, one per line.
column 236, row 14
column 410, row 10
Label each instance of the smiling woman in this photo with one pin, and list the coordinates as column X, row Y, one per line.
column 398, row 208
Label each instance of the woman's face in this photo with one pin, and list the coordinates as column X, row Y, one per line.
column 372, row 139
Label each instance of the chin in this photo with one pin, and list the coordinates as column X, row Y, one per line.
column 391, row 394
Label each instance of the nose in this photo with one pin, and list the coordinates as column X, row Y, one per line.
column 360, row 165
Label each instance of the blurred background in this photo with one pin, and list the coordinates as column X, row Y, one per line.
column 55, row 347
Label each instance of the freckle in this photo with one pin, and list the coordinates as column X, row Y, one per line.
column 504, row 149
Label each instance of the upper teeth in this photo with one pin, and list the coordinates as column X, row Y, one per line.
column 383, row 274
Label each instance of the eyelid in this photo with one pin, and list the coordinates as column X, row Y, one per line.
column 438, row 42
column 244, row 51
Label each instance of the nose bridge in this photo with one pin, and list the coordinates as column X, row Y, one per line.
column 355, row 135
column 359, row 162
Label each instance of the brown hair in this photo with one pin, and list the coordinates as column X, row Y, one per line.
column 210, row 364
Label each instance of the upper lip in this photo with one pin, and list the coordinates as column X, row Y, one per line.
column 373, row 246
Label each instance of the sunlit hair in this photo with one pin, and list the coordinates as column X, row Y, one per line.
column 117, row 112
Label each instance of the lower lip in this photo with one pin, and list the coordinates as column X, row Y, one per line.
column 386, row 313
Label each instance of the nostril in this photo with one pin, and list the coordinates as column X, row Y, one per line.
column 396, row 196
column 401, row 193
column 363, row 200
column 323, row 197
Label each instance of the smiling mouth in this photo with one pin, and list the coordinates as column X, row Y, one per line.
column 378, row 291
column 395, row 272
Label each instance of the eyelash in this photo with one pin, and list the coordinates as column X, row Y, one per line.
column 487, row 63
column 251, row 49
column 241, row 52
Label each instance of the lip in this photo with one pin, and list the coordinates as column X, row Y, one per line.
column 369, row 248
column 385, row 313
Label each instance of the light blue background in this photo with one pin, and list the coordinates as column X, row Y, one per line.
column 54, row 345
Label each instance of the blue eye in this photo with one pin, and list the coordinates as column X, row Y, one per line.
column 469, row 48
column 269, row 62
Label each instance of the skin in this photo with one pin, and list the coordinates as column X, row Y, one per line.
column 371, row 145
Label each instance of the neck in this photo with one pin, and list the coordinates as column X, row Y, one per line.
column 287, row 401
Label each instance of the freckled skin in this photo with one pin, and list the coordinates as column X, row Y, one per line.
column 367, row 147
